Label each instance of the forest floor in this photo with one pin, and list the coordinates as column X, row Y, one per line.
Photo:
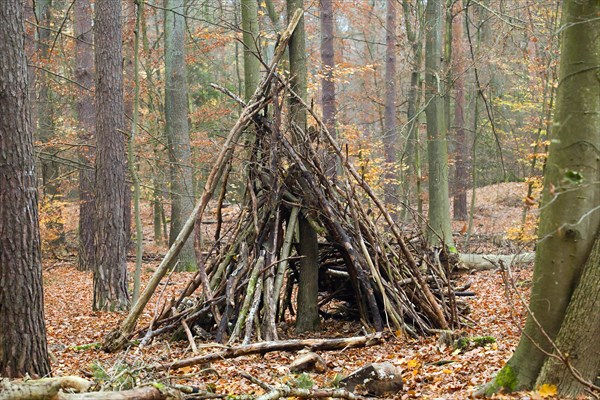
column 431, row 369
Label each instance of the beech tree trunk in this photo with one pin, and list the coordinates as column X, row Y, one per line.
column 177, row 129
column 86, row 116
column 327, row 81
column 251, row 52
column 390, row 134
column 437, row 146
column 22, row 329
column 569, row 221
column 578, row 335
column 110, row 270
column 307, row 318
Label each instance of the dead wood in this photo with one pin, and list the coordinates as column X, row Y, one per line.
column 279, row 391
column 483, row 262
column 116, row 339
column 283, row 345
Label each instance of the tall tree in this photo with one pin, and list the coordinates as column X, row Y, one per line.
column 86, row 116
column 564, row 297
column 437, row 146
column 308, row 285
column 110, row 269
column 23, row 348
column 177, row 129
column 45, row 109
column 327, row 81
column 251, row 52
column 390, row 131
column 461, row 152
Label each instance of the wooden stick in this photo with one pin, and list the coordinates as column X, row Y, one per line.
column 283, row 345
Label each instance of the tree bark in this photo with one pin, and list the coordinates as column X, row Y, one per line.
column 437, row 147
column 23, row 348
column 327, row 81
column 110, row 270
column 390, row 134
column 177, row 129
column 86, row 118
column 578, row 335
column 308, row 315
column 251, row 52
column 569, row 221
column 461, row 151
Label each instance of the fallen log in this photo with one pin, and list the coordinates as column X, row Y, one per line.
column 280, row 345
column 483, row 262
column 45, row 388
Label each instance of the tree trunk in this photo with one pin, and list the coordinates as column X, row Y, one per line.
column 437, row 147
column 568, row 223
column 308, row 314
column 251, row 51
column 411, row 176
column 390, row 134
column 110, row 270
column 86, row 116
column 22, row 329
column 177, row 129
column 45, row 109
column 578, row 335
column 327, row 81
column 461, row 151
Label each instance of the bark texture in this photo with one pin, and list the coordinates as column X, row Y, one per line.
column 327, row 81
column 390, row 133
column 23, row 347
column 177, row 129
column 569, row 220
column 308, row 316
column 86, row 116
column 437, row 146
column 461, row 152
column 578, row 335
column 251, row 51
column 110, row 270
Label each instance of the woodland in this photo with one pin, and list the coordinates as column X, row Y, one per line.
column 265, row 199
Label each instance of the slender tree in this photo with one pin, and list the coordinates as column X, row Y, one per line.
column 45, row 108
column 327, row 80
column 390, row 131
column 308, row 286
column 23, row 348
column 564, row 297
column 251, row 52
column 177, row 129
column 86, row 116
column 110, row 270
column 461, row 150
column 437, row 146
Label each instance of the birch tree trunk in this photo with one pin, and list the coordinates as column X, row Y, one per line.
column 23, row 347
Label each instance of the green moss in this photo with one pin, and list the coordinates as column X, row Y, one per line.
column 304, row 381
column 506, row 379
column 483, row 340
column 88, row 346
column 159, row 386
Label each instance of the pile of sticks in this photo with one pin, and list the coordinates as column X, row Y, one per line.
column 245, row 283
